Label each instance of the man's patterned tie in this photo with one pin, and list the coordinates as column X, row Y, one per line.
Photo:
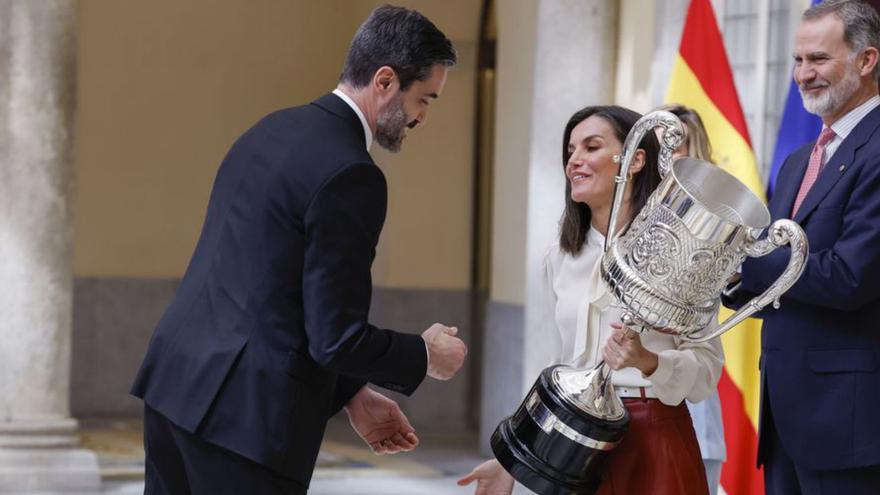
column 813, row 167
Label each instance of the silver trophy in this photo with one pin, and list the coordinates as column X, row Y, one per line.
column 667, row 273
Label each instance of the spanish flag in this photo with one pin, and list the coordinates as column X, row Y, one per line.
column 702, row 80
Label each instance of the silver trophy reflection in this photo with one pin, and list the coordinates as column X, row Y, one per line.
column 666, row 272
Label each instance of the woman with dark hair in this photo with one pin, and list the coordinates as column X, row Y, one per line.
column 655, row 372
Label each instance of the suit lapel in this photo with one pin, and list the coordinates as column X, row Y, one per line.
column 839, row 164
column 787, row 186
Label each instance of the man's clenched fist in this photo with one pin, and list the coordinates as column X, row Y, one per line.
column 446, row 352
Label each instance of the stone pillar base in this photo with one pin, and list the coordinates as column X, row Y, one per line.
column 58, row 470
column 44, row 456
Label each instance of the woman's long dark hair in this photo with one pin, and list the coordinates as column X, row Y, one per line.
column 575, row 221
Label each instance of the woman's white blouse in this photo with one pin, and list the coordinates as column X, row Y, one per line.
column 580, row 310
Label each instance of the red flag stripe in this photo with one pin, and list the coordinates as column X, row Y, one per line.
column 703, row 50
column 737, row 476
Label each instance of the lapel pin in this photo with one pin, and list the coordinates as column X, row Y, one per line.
column 842, row 167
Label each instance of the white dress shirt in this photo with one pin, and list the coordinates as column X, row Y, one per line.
column 368, row 134
column 844, row 125
column 579, row 311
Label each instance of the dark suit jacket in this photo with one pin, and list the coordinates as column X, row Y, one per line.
column 820, row 353
column 267, row 336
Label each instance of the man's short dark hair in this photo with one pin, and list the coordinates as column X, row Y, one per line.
column 400, row 38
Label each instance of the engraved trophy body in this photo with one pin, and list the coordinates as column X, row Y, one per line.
column 666, row 272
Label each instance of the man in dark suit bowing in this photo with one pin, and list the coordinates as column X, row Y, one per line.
column 820, row 356
column 267, row 336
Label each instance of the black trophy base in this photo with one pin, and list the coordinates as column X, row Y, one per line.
column 531, row 471
column 552, row 462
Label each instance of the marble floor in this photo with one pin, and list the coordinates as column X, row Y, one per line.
column 345, row 466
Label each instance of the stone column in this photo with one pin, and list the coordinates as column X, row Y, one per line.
column 554, row 57
column 38, row 440
column 575, row 67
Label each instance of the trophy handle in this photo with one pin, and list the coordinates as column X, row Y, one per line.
column 781, row 232
column 673, row 135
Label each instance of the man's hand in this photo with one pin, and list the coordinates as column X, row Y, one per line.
column 624, row 349
column 734, row 279
column 446, row 352
column 491, row 479
column 380, row 422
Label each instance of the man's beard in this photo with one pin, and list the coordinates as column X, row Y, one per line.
column 833, row 97
column 390, row 125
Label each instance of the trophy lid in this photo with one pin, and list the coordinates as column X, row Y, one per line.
column 590, row 391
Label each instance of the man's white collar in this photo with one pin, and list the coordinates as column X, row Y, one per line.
column 368, row 134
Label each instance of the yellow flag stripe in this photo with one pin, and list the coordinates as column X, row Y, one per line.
column 744, row 342
column 730, row 150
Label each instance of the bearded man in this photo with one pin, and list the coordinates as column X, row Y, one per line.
column 268, row 336
column 820, row 353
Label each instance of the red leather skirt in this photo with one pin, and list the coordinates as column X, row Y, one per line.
column 659, row 455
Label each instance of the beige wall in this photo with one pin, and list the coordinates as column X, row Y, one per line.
column 427, row 237
column 166, row 86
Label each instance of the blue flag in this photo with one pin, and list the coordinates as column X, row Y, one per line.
column 796, row 129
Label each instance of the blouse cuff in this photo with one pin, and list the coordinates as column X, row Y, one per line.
column 665, row 368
